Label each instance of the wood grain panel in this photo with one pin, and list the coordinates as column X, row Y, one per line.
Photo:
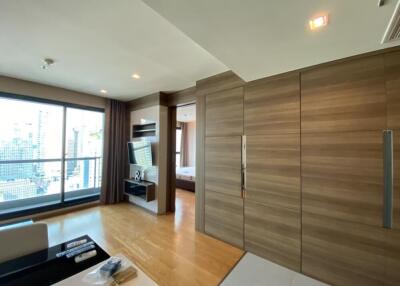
column 273, row 170
column 392, row 256
column 219, row 82
column 392, row 77
column 272, row 105
column 224, row 113
column 342, row 175
column 396, row 179
column 144, row 101
column 223, row 165
column 200, row 161
column 224, row 217
column 344, row 97
column 171, row 159
column 273, row 233
column 342, row 253
column 184, row 96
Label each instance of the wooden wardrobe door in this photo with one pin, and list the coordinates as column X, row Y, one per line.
column 349, row 96
column 392, row 77
column 272, row 105
column 273, row 170
column 272, row 202
column 223, row 165
column 396, row 179
column 342, row 253
column 393, row 235
column 223, row 201
column 224, row 112
column 224, row 217
column 342, row 203
column 342, row 175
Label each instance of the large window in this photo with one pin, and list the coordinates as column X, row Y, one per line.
column 83, row 152
column 50, row 154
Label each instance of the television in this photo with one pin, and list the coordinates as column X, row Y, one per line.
column 139, row 153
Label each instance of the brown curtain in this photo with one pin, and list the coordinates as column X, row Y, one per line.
column 115, row 165
column 184, row 144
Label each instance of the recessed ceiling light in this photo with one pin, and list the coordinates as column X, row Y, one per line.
column 318, row 22
column 135, row 76
column 103, row 91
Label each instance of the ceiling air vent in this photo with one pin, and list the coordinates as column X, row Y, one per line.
column 392, row 32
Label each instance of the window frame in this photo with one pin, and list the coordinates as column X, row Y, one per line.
column 63, row 203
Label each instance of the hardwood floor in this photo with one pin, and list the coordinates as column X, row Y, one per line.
column 167, row 248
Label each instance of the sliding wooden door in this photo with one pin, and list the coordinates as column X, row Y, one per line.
column 392, row 76
column 223, row 180
column 343, row 115
column 272, row 201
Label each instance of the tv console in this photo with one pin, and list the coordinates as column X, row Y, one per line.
column 142, row 189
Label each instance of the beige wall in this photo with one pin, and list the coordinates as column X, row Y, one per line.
column 23, row 87
column 191, row 134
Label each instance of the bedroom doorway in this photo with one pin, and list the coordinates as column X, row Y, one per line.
column 185, row 161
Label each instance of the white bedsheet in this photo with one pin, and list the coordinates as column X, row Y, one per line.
column 186, row 173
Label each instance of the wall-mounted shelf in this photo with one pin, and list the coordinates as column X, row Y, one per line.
column 144, row 130
column 142, row 189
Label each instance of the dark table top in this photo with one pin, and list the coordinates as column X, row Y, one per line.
column 45, row 268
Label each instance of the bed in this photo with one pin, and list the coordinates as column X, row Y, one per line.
column 186, row 178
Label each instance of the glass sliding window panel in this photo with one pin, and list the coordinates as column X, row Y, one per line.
column 178, row 147
column 85, row 179
column 83, row 153
column 30, row 154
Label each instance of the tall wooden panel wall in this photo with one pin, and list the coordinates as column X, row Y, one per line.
column 315, row 170
column 272, row 204
column 392, row 236
column 343, row 116
column 222, row 165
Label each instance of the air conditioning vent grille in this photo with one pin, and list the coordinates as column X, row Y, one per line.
column 392, row 32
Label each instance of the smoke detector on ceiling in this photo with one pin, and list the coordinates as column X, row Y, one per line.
column 392, row 32
column 47, row 62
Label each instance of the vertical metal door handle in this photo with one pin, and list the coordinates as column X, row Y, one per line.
column 388, row 178
column 243, row 167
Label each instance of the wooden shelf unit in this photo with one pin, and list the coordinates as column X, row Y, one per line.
column 143, row 130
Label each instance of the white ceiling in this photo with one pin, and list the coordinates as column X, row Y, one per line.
column 258, row 38
column 186, row 113
column 99, row 44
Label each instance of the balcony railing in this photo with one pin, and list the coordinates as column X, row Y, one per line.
column 39, row 182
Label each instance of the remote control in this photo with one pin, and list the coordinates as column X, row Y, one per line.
column 84, row 256
column 76, row 243
column 79, row 251
column 74, row 249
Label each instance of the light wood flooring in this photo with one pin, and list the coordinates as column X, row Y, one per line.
column 167, row 248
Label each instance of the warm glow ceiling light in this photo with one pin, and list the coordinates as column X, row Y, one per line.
column 135, row 76
column 103, row 91
column 318, row 22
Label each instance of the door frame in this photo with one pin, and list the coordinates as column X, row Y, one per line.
column 182, row 98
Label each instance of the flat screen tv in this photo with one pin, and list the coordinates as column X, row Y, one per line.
column 139, row 153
